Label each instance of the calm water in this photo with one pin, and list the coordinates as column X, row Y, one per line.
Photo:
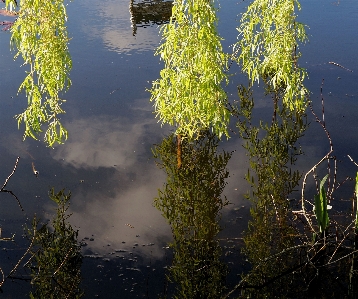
column 107, row 162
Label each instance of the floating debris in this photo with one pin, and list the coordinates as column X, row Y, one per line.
column 133, row 269
column 93, row 256
column 120, row 250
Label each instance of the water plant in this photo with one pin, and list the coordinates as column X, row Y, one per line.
column 321, row 207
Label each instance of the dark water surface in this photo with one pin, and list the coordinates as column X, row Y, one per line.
column 107, row 161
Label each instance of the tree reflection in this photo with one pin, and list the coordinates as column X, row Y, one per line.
column 272, row 150
column 53, row 255
column 56, row 259
column 149, row 12
column 291, row 254
column 191, row 200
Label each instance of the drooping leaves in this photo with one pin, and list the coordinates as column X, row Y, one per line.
column 39, row 35
column 269, row 37
column 189, row 93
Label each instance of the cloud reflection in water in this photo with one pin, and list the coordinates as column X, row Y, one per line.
column 117, row 153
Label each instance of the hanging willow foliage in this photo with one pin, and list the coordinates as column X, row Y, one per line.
column 189, row 93
column 39, row 36
column 268, row 48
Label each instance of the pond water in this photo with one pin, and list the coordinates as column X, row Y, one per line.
column 107, row 162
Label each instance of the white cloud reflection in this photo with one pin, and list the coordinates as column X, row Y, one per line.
column 102, row 142
column 127, row 217
column 120, row 207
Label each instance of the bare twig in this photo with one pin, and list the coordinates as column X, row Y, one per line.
column 341, row 66
column 326, row 157
column 13, row 171
column 345, row 236
column 292, row 270
column 3, row 277
column 350, row 158
column 7, row 180
column 63, row 262
column 21, row 259
column 341, row 258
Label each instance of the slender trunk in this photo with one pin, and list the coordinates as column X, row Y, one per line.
column 179, row 150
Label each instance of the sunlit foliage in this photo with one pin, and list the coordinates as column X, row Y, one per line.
column 189, row 93
column 39, row 36
column 321, row 207
column 269, row 36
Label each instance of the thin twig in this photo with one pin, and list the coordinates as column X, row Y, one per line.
column 341, row 258
column 7, row 180
column 13, row 171
column 20, row 260
column 63, row 262
column 341, row 242
column 350, row 158
column 341, row 66
column 3, row 277
column 240, row 284
column 327, row 156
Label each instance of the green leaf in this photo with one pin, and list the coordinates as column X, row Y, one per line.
column 321, row 206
